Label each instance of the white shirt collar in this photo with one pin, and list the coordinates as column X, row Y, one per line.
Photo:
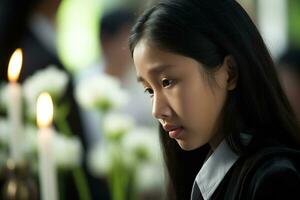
column 214, row 169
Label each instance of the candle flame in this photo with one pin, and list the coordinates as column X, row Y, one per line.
column 14, row 66
column 44, row 110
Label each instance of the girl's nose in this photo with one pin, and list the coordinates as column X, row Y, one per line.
column 160, row 107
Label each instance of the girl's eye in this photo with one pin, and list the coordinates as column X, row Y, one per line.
column 166, row 82
column 149, row 91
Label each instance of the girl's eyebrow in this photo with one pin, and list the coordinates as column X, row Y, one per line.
column 155, row 70
column 140, row 79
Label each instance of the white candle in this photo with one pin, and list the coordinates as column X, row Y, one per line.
column 47, row 170
column 15, row 106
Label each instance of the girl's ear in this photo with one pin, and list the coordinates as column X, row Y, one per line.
column 232, row 71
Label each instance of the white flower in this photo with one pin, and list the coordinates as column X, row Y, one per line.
column 28, row 136
column 142, row 150
column 30, row 144
column 117, row 125
column 51, row 80
column 67, row 151
column 102, row 92
column 150, row 178
column 100, row 160
column 142, row 144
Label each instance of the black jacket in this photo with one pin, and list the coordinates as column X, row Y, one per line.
column 271, row 173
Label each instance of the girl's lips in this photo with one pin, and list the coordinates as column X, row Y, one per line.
column 176, row 133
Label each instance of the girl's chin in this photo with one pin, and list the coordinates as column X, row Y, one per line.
column 188, row 146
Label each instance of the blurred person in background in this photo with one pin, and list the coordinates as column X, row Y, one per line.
column 114, row 33
column 39, row 44
column 114, row 30
column 37, row 39
column 289, row 72
column 115, row 61
column 39, row 49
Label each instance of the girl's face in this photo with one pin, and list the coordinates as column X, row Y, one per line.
column 184, row 102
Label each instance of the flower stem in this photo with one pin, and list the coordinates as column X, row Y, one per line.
column 79, row 176
column 60, row 121
column 81, row 184
column 119, row 177
column 131, row 184
column 61, row 185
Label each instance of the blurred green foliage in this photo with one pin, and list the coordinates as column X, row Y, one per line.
column 294, row 22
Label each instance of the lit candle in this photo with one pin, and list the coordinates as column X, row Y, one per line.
column 15, row 106
column 47, row 171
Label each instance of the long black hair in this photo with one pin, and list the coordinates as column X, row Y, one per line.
column 208, row 31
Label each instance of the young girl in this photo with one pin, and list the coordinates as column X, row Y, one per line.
column 226, row 127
